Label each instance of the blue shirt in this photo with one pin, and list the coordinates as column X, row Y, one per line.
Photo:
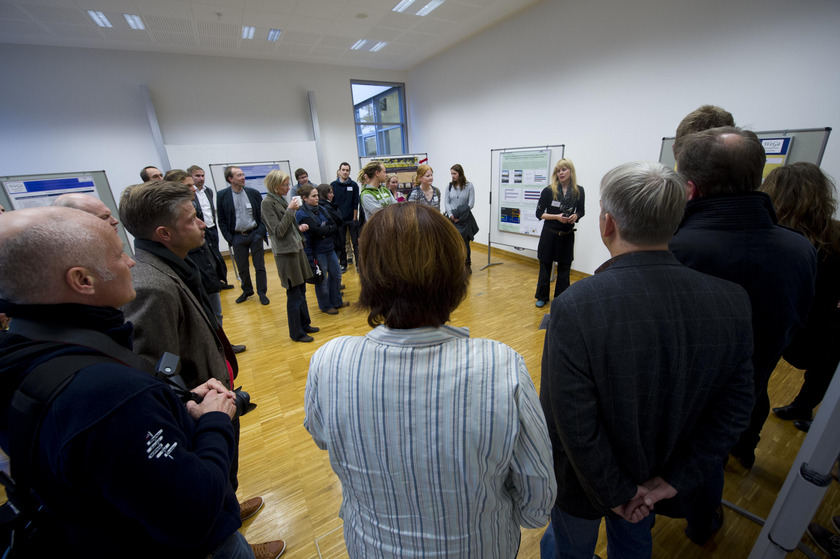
column 438, row 439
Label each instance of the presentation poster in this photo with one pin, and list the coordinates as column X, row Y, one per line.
column 777, row 150
column 42, row 192
column 404, row 166
column 523, row 175
column 255, row 175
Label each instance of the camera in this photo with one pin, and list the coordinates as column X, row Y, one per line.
column 167, row 369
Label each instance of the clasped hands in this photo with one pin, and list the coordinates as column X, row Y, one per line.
column 216, row 397
column 647, row 495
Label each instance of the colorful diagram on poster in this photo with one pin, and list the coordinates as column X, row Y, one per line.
column 404, row 166
column 777, row 150
column 523, row 175
column 42, row 192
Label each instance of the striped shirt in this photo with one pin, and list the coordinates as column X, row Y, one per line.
column 439, row 441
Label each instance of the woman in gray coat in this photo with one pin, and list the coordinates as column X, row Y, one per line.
column 287, row 244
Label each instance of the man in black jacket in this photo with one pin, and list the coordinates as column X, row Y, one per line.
column 121, row 464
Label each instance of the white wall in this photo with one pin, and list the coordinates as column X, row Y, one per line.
column 65, row 109
column 610, row 79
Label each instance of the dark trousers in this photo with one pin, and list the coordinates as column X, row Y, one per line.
column 242, row 245
column 353, row 226
column 469, row 260
column 817, row 379
column 544, row 280
column 702, row 508
column 297, row 311
column 211, row 234
column 761, row 409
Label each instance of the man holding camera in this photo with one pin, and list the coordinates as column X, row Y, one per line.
column 172, row 312
column 121, row 465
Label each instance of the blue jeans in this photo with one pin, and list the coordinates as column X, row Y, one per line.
column 216, row 305
column 234, row 547
column 328, row 292
column 575, row 538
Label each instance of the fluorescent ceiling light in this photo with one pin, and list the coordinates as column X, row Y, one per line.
column 359, row 44
column 134, row 21
column 274, row 34
column 403, row 5
column 99, row 19
column 378, row 46
column 425, row 10
column 248, row 31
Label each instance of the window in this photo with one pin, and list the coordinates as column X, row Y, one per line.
column 379, row 111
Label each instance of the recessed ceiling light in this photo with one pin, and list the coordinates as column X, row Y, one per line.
column 134, row 21
column 378, row 46
column 274, row 35
column 248, row 31
column 359, row 44
column 99, row 18
column 425, row 10
column 403, row 5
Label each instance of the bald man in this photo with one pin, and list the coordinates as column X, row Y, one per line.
column 152, row 471
column 89, row 204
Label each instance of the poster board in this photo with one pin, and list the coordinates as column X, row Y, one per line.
column 517, row 177
column 404, row 166
column 807, row 144
column 33, row 191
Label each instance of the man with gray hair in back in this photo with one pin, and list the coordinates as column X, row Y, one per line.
column 646, row 374
column 87, row 203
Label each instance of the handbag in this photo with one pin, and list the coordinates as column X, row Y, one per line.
column 317, row 275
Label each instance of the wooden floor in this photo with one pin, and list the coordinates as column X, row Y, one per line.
column 279, row 461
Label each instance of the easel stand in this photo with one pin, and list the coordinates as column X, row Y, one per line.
column 805, row 486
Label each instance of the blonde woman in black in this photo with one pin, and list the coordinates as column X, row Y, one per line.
column 561, row 206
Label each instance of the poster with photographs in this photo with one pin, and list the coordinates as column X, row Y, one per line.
column 523, row 175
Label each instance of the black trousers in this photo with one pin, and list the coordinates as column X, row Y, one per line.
column 544, row 280
column 297, row 311
column 353, row 227
column 242, row 245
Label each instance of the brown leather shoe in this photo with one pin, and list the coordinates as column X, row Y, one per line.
column 249, row 508
column 268, row 550
column 344, row 304
column 331, row 311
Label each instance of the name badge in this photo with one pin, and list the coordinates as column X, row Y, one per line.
column 248, row 205
column 555, row 203
column 349, row 189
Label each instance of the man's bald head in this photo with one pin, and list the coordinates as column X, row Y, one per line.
column 89, row 204
column 40, row 246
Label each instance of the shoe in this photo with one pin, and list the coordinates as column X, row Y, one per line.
column 791, row 412
column 330, row 311
column 311, row 329
column 836, row 521
column 227, row 286
column 344, row 269
column 700, row 537
column 344, row 304
column 342, row 287
column 268, row 550
column 249, row 508
column 745, row 458
column 306, row 338
column 802, row 424
column 237, row 348
column 825, row 540
column 540, row 304
column 264, row 300
column 243, row 297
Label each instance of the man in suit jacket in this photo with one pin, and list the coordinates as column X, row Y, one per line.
column 241, row 224
column 646, row 372
column 172, row 312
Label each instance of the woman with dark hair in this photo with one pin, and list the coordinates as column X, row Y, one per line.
column 320, row 248
column 458, row 202
column 287, row 245
column 438, row 439
column 561, row 205
column 325, row 201
column 374, row 195
column 424, row 192
column 804, row 199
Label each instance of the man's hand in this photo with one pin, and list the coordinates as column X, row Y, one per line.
column 213, row 385
column 213, row 401
column 657, row 490
column 635, row 509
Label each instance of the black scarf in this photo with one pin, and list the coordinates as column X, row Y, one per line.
column 102, row 319
column 184, row 269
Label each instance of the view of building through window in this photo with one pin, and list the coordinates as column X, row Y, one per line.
column 379, row 110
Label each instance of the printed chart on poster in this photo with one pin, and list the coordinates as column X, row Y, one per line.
column 404, row 166
column 522, row 177
column 777, row 150
column 255, row 174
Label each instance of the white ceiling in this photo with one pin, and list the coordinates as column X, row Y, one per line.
column 319, row 31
